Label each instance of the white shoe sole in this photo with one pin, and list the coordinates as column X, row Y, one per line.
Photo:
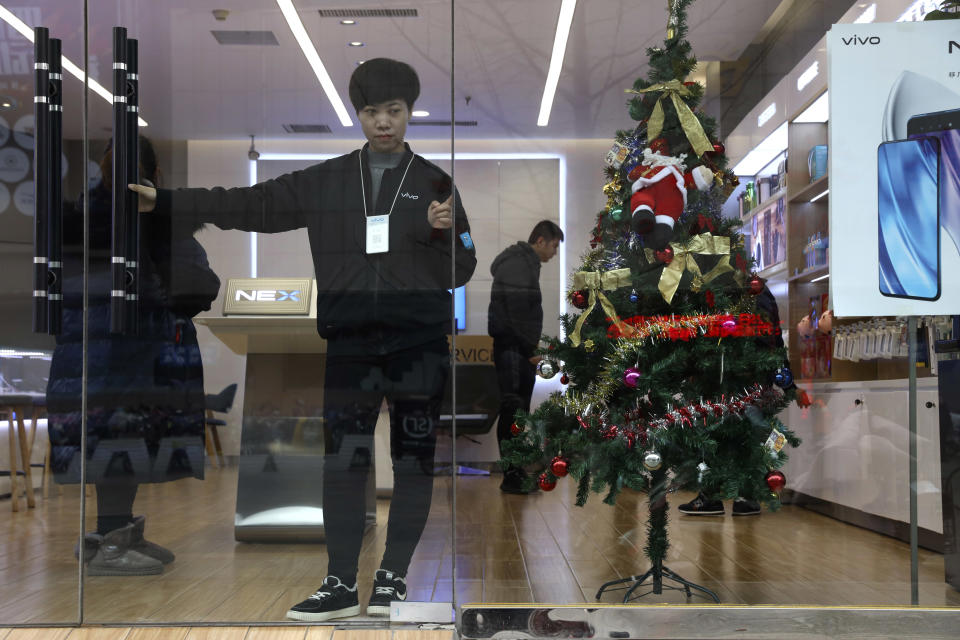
column 701, row 513
column 304, row 616
column 378, row 610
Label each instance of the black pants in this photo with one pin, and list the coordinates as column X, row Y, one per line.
column 115, row 496
column 413, row 383
column 516, row 376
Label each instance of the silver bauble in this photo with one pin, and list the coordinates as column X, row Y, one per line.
column 546, row 369
column 652, row 461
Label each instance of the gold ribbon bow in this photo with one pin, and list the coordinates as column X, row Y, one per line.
column 596, row 282
column 688, row 120
column 704, row 244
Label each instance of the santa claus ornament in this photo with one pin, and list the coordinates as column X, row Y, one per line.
column 660, row 194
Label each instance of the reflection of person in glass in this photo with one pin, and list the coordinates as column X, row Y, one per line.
column 383, row 223
column 145, row 401
column 515, row 320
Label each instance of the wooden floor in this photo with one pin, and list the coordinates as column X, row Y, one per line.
column 538, row 548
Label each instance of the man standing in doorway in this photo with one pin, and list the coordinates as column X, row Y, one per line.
column 515, row 321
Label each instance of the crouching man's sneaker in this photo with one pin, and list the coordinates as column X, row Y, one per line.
column 744, row 507
column 387, row 587
column 332, row 600
column 700, row 506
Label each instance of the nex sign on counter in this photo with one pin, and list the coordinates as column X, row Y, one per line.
column 268, row 296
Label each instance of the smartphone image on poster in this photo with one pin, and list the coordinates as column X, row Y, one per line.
column 908, row 202
column 945, row 126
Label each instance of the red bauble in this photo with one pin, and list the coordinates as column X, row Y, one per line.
column 719, row 148
column 564, row 379
column 755, row 285
column 559, row 467
column 515, row 429
column 546, row 484
column 579, row 299
column 776, row 480
column 665, row 255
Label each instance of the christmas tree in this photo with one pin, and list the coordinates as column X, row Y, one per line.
column 674, row 370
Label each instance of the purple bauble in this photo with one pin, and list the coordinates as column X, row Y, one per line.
column 631, row 377
column 728, row 327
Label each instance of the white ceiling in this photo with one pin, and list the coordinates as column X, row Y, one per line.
column 192, row 87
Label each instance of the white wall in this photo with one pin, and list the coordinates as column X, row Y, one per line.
column 520, row 192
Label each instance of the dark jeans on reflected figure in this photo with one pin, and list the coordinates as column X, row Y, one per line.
column 413, row 382
column 515, row 375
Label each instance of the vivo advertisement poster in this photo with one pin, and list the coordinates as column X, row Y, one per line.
column 894, row 168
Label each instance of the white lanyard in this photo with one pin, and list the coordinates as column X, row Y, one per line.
column 363, row 188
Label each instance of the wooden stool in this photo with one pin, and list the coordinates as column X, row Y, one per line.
column 14, row 408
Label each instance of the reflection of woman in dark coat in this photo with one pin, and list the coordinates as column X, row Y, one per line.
column 145, row 401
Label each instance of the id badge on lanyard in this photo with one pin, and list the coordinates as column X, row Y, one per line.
column 378, row 227
column 378, row 234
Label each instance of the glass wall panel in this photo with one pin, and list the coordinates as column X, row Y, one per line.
column 266, row 435
column 689, row 432
column 40, row 519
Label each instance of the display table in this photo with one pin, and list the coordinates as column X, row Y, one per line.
column 280, row 482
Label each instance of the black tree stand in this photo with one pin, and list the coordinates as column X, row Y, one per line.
column 656, row 550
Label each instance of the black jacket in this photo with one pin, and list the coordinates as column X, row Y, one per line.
column 515, row 316
column 145, row 396
column 388, row 301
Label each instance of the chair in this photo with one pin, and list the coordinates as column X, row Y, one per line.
column 217, row 403
column 14, row 408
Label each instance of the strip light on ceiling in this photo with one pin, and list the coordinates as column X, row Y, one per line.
column 313, row 58
column 764, row 153
column 7, row 16
column 564, row 21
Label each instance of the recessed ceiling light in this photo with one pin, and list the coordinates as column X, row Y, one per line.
column 356, row 43
column 7, row 103
column 420, row 113
column 348, row 22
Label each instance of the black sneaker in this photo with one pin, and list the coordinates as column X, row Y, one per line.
column 515, row 481
column 700, row 506
column 387, row 587
column 744, row 507
column 333, row 600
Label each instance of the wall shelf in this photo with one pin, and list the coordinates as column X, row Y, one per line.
column 807, row 275
column 812, row 190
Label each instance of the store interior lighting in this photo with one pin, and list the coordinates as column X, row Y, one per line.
column 818, row 111
column 764, row 153
column 819, row 195
column 313, row 58
column 68, row 65
column 564, row 21
column 869, row 14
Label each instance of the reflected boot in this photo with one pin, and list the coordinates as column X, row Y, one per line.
column 151, row 549
column 115, row 557
column 91, row 542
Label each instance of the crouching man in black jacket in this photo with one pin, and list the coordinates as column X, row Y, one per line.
column 515, row 321
column 383, row 259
